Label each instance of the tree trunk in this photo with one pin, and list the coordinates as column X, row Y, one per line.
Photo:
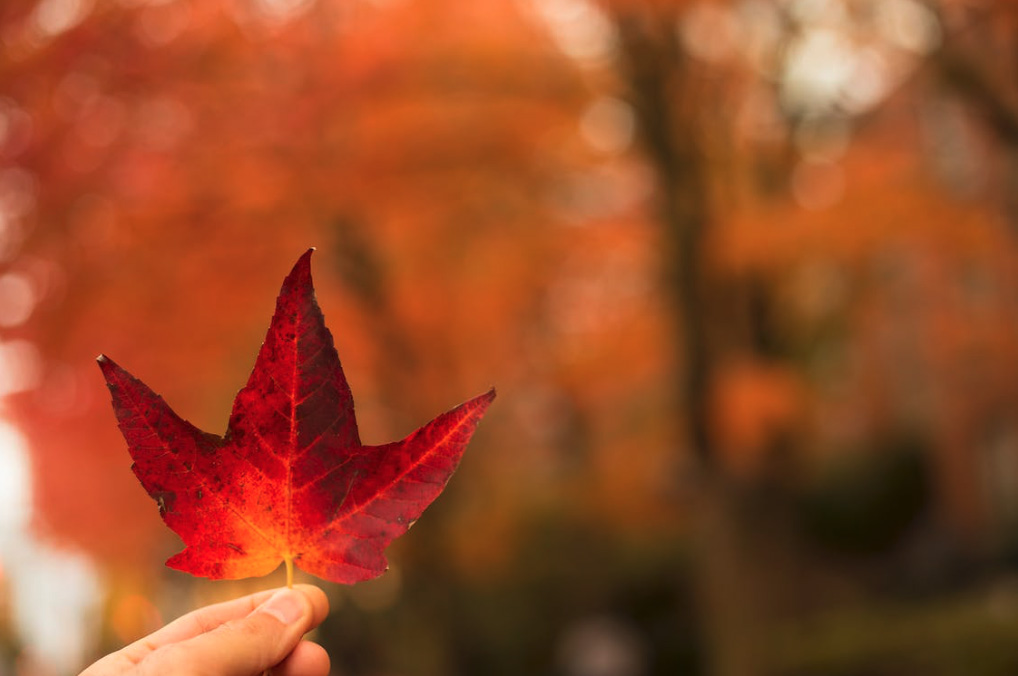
column 658, row 78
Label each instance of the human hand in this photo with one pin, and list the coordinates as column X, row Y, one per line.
column 243, row 637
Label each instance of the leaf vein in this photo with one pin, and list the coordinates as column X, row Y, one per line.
column 431, row 451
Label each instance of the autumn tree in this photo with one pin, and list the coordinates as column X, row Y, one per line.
column 661, row 228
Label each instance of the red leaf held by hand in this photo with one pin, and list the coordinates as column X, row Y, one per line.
column 290, row 480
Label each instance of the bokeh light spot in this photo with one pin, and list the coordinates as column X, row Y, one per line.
column 579, row 28
column 15, row 482
column 608, row 125
column 160, row 24
column 710, row 32
column 17, row 192
column 909, row 25
column 17, row 299
column 52, row 17
column 282, row 10
column 20, row 366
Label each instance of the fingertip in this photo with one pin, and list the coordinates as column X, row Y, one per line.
column 318, row 600
column 289, row 606
column 307, row 659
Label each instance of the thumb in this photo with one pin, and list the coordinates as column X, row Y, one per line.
column 245, row 646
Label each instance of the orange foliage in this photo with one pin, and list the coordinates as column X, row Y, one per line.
column 202, row 149
column 752, row 406
column 472, row 231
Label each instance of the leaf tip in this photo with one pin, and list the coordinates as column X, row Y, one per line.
column 112, row 371
column 480, row 403
column 300, row 275
column 106, row 365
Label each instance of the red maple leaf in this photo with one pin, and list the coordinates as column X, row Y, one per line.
column 290, row 481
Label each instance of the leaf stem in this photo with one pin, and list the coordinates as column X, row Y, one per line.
column 288, row 560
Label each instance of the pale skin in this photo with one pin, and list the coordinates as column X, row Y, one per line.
column 248, row 636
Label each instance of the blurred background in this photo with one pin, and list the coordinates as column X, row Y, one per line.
column 744, row 273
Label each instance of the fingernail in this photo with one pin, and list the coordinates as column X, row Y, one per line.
column 284, row 605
